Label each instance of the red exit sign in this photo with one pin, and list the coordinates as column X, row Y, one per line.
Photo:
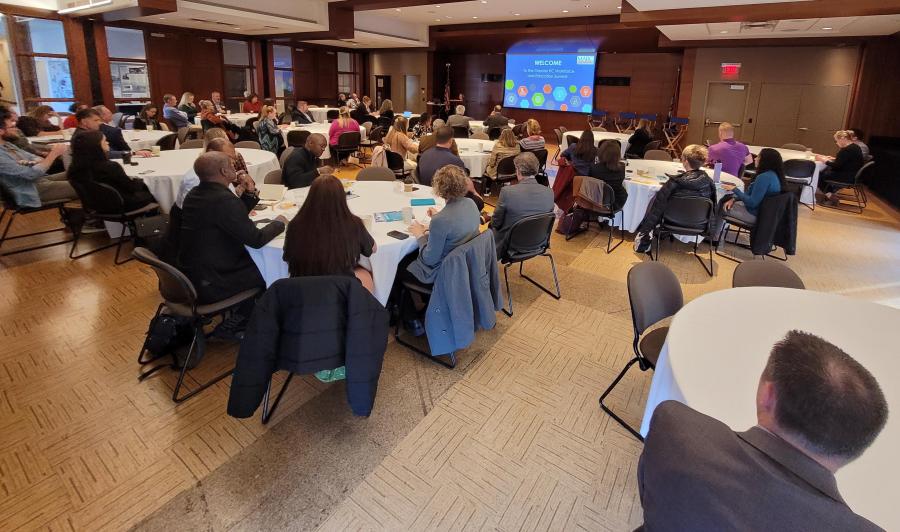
column 731, row 70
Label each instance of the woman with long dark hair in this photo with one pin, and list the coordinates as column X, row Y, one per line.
column 609, row 168
column 90, row 163
column 325, row 238
column 148, row 117
column 581, row 155
column 769, row 182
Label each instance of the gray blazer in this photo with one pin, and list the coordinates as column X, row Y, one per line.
column 453, row 225
column 695, row 473
column 459, row 120
column 526, row 198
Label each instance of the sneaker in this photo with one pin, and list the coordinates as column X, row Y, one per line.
column 642, row 243
column 231, row 328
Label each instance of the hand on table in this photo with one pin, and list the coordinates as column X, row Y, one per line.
column 282, row 219
column 432, row 211
column 729, row 186
column 416, row 229
column 58, row 149
column 143, row 153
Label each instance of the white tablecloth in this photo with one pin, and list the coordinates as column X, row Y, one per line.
column 163, row 174
column 374, row 196
column 717, row 372
column 320, row 114
column 238, row 119
column 321, row 129
column 603, row 135
column 137, row 139
column 475, row 154
column 807, row 196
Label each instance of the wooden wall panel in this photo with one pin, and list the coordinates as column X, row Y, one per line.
column 166, row 61
column 876, row 105
column 315, row 75
column 202, row 65
column 326, row 75
column 683, row 107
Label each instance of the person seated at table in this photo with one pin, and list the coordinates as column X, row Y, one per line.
column 505, row 146
column 496, row 119
column 608, row 167
column 270, row 137
column 301, row 113
column 37, row 122
column 325, row 238
column 526, row 197
column 423, row 126
column 218, row 105
column 25, row 175
column 856, row 136
column 817, row 409
column 430, row 141
column 769, row 181
column 581, row 155
column 693, row 183
column 387, row 109
column 455, row 224
column 366, row 104
column 92, row 120
column 344, row 124
column 147, row 118
column 215, row 230
column 533, row 139
column 71, row 122
column 209, row 118
column 439, row 156
column 112, row 133
column 353, row 101
column 728, row 151
column 252, row 105
column 188, row 107
column 398, row 141
column 302, row 165
column 216, row 140
column 637, row 142
column 341, row 100
column 175, row 115
column 91, row 164
column 842, row 168
column 459, row 119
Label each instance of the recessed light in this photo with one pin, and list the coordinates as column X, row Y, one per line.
column 474, row 17
column 397, row 10
column 437, row 20
column 449, row 16
column 827, row 28
column 724, row 31
column 565, row 10
column 237, row 28
column 618, row 7
column 587, row 5
column 162, row 18
column 483, row 1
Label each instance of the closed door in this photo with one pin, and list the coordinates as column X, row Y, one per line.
column 725, row 102
column 412, row 94
column 822, row 111
column 382, row 89
column 776, row 117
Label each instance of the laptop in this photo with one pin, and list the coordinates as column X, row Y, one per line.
column 269, row 192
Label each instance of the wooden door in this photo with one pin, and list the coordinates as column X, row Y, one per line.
column 823, row 109
column 725, row 102
column 777, row 114
column 412, row 93
column 382, row 89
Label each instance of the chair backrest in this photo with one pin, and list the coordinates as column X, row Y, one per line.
column 385, row 122
column 494, row 133
column 657, row 155
column 167, row 142
column 609, row 195
column 376, row 134
column 284, row 155
column 862, row 170
column 528, row 237
column 413, row 122
column 765, row 273
column 349, row 139
column 793, row 146
column 654, row 294
column 367, row 126
column 506, row 167
column 799, row 168
column 460, row 132
column 480, row 136
column 376, row 173
column 394, row 160
column 250, row 144
column 251, row 122
column 183, row 133
column 541, row 154
column 689, row 213
column 297, row 138
column 598, row 128
column 174, row 286
column 117, row 119
column 273, row 177
column 570, row 139
column 652, row 145
column 191, row 144
column 99, row 198
column 332, row 114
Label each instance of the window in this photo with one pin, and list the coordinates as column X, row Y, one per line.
column 42, row 62
column 128, row 64
column 282, row 60
column 238, row 72
column 348, row 67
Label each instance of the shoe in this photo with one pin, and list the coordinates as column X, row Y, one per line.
column 414, row 327
column 642, row 243
column 231, row 328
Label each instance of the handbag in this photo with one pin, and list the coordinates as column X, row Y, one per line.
column 151, row 226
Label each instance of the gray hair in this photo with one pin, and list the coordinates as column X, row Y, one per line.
column 460, row 109
column 527, row 164
column 437, row 123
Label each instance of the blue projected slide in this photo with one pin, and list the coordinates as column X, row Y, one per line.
column 550, row 81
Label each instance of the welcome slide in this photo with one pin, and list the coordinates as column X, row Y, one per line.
column 552, row 82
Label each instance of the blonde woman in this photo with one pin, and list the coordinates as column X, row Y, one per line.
column 398, row 141
column 533, row 140
column 842, row 168
column 387, row 109
column 344, row 124
column 37, row 122
column 638, row 141
column 506, row 146
column 187, row 106
column 270, row 138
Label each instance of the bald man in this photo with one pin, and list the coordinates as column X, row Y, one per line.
column 302, row 165
column 215, row 228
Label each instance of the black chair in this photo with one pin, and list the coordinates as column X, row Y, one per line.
column 167, row 142
column 395, row 163
column 541, row 154
column 859, row 199
column 770, row 208
column 506, row 173
column 332, row 114
column 11, row 208
column 689, row 216
column 250, row 125
column 413, row 122
column 654, row 295
column 800, row 172
column 765, row 273
column 460, row 132
column 385, row 122
column 586, row 210
column 180, row 300
column 654, row 145
column 494, row 133
column 528, row 238
column 297, row 138
column 104, row 203
column 570, row 139
column 348, row 143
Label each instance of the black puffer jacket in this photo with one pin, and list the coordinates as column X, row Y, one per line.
column 695, row 183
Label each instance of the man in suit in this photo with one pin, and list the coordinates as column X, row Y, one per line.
column 93, row 120
column 215, row 228
column 460, row 118
column 496, row 119
column 302, row 165
column 301, row 114
column 817, row 409
column 526, row 197
column 218, row 104
column 438, row 156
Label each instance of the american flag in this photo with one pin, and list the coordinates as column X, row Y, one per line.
column 447, row 95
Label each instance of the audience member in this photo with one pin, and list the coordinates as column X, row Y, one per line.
column 210, row 118
column 637, row 142
column 302, row 165
column 817, row 409
column 70, row 121
column 533, row 140
column 581, row 155
column 218, row 105
column 459, row 119
column 24, row 175
column 398, row 141
column 525, row 198
column 341, row 100
column 423, row 126
column 856, row 136
column 769, row 182
column 344, row 124
column 693, row 183
column 176, row 115
column 496, row 119
column 147, row 118
column 353, row 101
column 387, row 109
column 366, row 105
column 216, row 140
column 439, row 156
column 842, row 168
column 91, row 164
column 270, row 137
column 430, row 141
column 252, row 104
column 93, row 120
column 505, row 146
column 325, row 238
column 188, row 107
column 301, row 113
column 731, row 153
column 608, row 167
column 37, row 122
column 16, row 137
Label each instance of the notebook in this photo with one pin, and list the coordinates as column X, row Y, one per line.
column 421, row 202
column 269, row 192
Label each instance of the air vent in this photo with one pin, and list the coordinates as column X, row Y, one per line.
column 770, row 25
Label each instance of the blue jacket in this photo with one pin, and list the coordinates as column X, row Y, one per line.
column 454, row 225
column 466, row 296
column 177, row 117
column 18, row 178
column 766, row 184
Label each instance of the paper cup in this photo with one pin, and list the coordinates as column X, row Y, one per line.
column 155, row 150
column 407, row 215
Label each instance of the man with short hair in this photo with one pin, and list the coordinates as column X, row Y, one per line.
column 92, row 120
column 525, row 198
column 218, row 104
column 353, row 101
column 173, row 114
column 728, row 151
column 302, row 165
column 817, row 409
column 244, row 187
column 496, row 119
column 460, row 118
column 440, row 155
column 301, row 113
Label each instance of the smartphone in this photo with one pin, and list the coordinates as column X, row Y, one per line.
column 398, row 235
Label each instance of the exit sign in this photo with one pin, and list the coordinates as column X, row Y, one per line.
column 731, row 70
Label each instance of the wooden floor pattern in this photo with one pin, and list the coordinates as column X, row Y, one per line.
column 518, row 443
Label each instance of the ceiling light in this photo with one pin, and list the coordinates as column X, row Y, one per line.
column 516, row 14
column 397, row 10
column 483, row 1
column 827, row 28
column 618, row 7
column 162, row 18
column 565, row 10
column 437, row 20
column 724, row 31
column 587, row 5
column 474, row 17
column 236, row 28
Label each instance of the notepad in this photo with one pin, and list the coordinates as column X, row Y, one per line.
column 271, row 192
column 421, row 202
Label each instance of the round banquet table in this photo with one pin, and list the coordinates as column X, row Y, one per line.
column 603, row 135
column 372, row 197
column 238, row 119
column 717, row 372
column 320, row 114
column 317, row 128
column 475, row 154
column 137, row 139
column 164, row 174
column 808, row 195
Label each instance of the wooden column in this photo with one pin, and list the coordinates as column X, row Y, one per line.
column 78, row 61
